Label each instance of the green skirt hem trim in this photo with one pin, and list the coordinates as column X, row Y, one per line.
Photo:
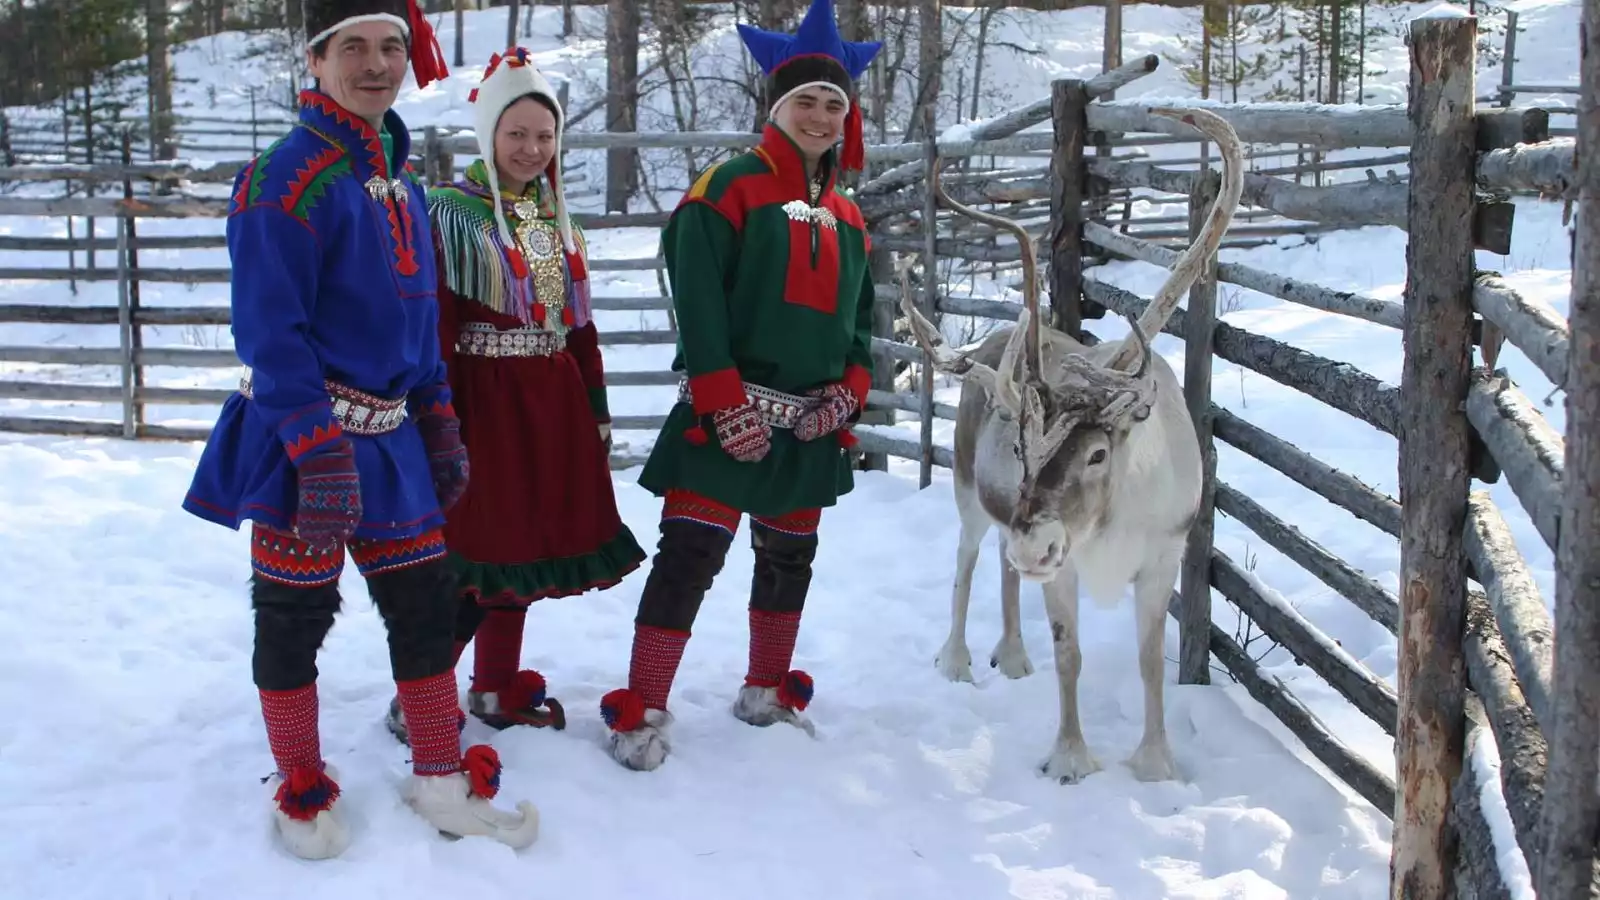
column 523, row 583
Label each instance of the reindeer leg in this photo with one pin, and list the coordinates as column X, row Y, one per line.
column 955, row 659
column 1070, row 760
column 1009, row 655
column 1153, row 761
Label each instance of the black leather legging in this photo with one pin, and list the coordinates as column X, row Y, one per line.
column 417, row 604
column 690, row 555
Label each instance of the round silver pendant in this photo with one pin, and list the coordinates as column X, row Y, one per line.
column 540, row 243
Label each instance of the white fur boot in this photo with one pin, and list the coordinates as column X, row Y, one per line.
column 313, row 833
column 762, row 706
column 646, row 746
column 451, row 804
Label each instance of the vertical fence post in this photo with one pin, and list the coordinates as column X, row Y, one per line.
column 1194, row 622
column 1571, row 812
column 1069, row 112
column 1434, row 451
column 930, row 296
column 430, row 154
column 128, row 263
column 880, row 268
column 125, row 329
column 1508, row 60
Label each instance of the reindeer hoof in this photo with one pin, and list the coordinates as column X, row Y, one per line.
column 1153, row 762
column 1069, row 764
column 954, row 662
column 1011, row 658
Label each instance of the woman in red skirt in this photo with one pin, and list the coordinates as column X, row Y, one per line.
column 539, row 517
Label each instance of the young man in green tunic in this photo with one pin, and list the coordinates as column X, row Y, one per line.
column 768, row 264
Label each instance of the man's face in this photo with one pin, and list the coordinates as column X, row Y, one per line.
column 813, row 119
column 363, row 68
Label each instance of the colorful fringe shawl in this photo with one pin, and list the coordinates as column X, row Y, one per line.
column 472, row 258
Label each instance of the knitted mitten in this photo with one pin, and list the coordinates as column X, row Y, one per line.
column 742, row 433
column 330, row 496
column 447, row 456
column 838, row 404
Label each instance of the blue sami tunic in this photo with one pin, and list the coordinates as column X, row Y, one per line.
column 332, row 281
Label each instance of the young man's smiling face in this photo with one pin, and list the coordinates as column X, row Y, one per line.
column 813, row 118
column 362, row 68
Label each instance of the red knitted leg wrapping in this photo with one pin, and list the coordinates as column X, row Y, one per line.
column 499, row 649
column 656, row 653
column 432, row 718
column 772, row 637
column 291, row 718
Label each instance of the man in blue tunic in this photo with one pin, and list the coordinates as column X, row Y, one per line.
column 342, row 435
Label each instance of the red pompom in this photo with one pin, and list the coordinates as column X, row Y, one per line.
column 696, row 435
column 482, row 765
column 519, row 266
column 307, row 791
column 567, row 316
column 538, row 314
column 525, row 692
column 622, row 709
column 795, row 689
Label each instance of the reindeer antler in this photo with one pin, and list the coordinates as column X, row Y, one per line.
column 1193, row 260
column 1000, row 382
column 1030, row 267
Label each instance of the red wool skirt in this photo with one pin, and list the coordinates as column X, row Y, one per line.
column 539, row 517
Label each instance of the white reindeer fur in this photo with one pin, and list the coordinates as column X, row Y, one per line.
column 1155, row 470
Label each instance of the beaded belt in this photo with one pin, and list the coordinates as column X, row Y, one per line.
column 777, row 409
column 358, row 412
column 483, row 339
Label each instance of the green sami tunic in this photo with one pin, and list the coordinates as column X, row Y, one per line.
column 770, row 288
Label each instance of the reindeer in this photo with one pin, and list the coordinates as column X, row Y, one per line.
column 1089, row 467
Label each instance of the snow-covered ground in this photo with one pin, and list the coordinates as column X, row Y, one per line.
column 131, row 746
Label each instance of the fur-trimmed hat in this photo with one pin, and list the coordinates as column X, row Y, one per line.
column 815, row 56
column 510, row 77
column 324, row 17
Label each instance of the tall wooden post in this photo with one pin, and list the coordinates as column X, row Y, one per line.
column 1069, row 111
column 1194, row 619
column 880, row 269
column 1434, row 449
column 930, row 39
column 1571, row 810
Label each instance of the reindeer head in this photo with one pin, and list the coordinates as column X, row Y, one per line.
column 1061, row 425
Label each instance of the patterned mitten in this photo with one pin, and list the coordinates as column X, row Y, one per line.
column 447, row 456
column 837, row 404
column 330, row 496
column 742, row 432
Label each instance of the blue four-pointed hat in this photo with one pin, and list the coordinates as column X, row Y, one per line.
column 818, row 34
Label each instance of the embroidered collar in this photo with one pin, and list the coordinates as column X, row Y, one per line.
column 476, row 183
column 783, row 154
column 322, row 114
